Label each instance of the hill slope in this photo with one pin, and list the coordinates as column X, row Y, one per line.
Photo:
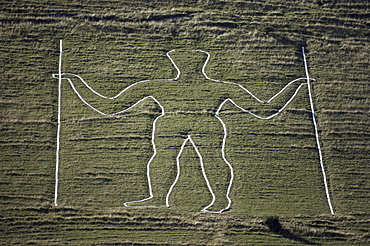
column 113, row 44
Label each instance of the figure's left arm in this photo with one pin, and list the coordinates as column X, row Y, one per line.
column 248, row 102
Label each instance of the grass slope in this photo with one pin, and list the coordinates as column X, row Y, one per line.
column 115, row 43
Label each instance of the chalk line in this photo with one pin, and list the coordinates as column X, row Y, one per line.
column 58, row 127
column 317, row 135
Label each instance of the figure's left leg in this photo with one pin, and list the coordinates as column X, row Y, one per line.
column 217, row 171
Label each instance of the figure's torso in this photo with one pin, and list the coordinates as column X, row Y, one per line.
column 202, row 96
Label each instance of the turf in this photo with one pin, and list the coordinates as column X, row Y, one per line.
column 113, row 44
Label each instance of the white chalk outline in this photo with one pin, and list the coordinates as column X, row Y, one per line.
column 317, row 135
column 189, row 137
column 58, row 124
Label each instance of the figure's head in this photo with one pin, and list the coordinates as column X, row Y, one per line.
column 188, row 61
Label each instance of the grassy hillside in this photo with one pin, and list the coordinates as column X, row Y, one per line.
column 113, row 44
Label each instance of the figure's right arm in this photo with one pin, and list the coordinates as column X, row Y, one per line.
column 103, row 104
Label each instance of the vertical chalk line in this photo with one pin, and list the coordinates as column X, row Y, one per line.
column 58, row 127
column 317, row 134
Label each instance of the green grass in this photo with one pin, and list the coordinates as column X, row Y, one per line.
column 103, row 159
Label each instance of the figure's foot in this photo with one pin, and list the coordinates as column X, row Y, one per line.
column 218, row 206
column 148, row 202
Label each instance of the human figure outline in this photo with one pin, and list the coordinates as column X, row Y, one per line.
column 202, row 110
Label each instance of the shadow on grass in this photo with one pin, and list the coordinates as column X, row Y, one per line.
column 287, row 234
column 274, row 225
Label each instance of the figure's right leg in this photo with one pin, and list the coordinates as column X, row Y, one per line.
column 162, row 171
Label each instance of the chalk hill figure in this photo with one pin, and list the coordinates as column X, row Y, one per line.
column 190, row 106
